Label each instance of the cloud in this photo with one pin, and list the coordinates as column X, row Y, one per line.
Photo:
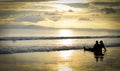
column 25, row 6
column 55, row 18
column 79, row 5
column 104, row 4
column 64, row 1
column 30, row 18
column 104, row 7
column 49, row 13
column 24, row 0
column 55, row 14
column 104, row 0
column 107, row 3
column 108, row 10
column 6, row 20
column 98, row 7
column 84, row 19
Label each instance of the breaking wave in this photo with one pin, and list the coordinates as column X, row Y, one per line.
column 18, row 49
column 10, row 50
column 53, row 38
column 21, row 49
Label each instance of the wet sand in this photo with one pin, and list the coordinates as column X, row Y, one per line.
column 69, row 60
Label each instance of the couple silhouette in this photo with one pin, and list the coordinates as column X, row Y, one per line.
column 97, row 50
column 97, row 47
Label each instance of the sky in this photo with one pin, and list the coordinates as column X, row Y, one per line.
column 92, row 14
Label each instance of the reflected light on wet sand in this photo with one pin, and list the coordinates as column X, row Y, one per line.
column 65, row 69
column 65, row 54
column 65, row 33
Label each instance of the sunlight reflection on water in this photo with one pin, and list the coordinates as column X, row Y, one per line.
column 65, row 33
column 67, row 42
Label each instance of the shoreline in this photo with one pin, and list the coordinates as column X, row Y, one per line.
column 68, row 60
column 50, row 50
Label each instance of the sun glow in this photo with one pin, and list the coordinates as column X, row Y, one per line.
column 65, row 33
column 61, row 7
column 65, row 42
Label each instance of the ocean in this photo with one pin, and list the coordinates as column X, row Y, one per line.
column 35, row 40
column 57, row 50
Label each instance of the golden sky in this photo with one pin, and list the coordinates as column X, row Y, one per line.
column 93, row 14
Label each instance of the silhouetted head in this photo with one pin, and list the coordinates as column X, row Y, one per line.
column 96, row 42
column 101, row 41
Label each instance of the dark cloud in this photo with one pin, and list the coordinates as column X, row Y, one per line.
column 30, row 18
column 4, row 14
column 17, row 13
column 94, row 4
column 108, row 10
column 24, row 0
column 104, row 0
column 55, row 18
column 95, row 15
column 84, row 19
column 70, row 10
column 104, row 7
column 107, row 3
column 79, row 5
column 57, row 0
column 50, row 13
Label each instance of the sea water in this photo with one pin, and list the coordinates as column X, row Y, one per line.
column 15, row 45
column 28, row 55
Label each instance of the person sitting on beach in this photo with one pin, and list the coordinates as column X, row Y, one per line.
column 95, row 48
column 102, row 46
column 99, row 54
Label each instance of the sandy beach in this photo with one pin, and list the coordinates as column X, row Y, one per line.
column 69, row 60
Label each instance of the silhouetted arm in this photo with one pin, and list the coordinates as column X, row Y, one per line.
column 104, row 47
